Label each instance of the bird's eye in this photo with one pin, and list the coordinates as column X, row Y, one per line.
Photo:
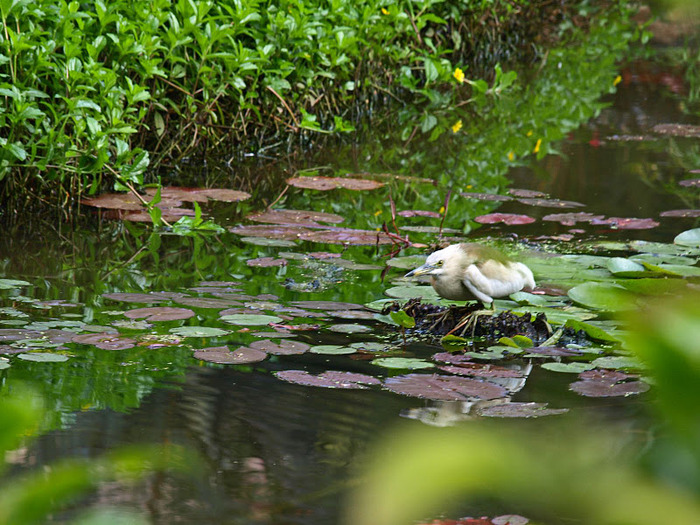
column 439, row 263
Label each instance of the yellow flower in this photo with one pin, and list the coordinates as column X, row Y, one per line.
column 511, row 156
column 469, row 186
column 617, row 80
column 442, row 210
column 457, row 126
column 529, row 133
column 377, row 213
column 385, row 11
column 537, row 146
column 459, row 75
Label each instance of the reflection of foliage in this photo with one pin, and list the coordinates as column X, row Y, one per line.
column 580, row 474
column 29, row 498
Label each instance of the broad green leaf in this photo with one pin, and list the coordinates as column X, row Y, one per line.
column 603, row 296
column 410, row 363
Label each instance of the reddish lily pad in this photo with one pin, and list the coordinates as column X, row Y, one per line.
column 680, row 213
column 297, row 217
column 282, row 348
column 347, row 236
column 608, row 383
column 330, row 379
column 626, row 223
column 554, row 351
column 690, row 183
column 276, row 231
column 201, row 194
column 525, row 410
column 331, row 183
column 444, row 388
column 677, row 130
column 511, row 219
column 266, row 262
column 160, row 313
column 152, row 297
column 17, row 334
column 419, row 213
column 106, row 341
column 352, row 314
column 570, row 219
column 207, row 302
column 481, row 370
column 125, row 202
column 168, row 214
column 487, row 196
column 222, row 355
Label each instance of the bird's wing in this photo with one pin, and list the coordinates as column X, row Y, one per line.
column 493, row 279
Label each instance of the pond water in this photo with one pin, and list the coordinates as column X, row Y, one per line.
column 274, row 450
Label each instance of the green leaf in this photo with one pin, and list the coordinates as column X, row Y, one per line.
column 410, row 363
column 9, row 284
column 593, row 332
column 688, row 238
column 250, row 319
column 332, row 350
column 570, row 368
column 621, row 267
column 401, row 318
column 43, row 357
column 198, row 331
column 602, row 296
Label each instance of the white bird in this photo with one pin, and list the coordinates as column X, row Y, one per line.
column 470, row 271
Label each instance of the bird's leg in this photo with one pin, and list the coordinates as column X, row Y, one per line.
column 441, row 318
column 470, row 320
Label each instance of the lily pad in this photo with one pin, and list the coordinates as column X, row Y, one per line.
column 598, row 388
column 419, row 213
column 486, row 196
column 349, row 328
column 369, row 346
column 266, row 262
column 9, row 284
column 347, row 236
column 444, row 388
column 222, row 355
column 106, row 341
column 4, row 363
column 264, row 241
column 655, row 286
column 160, row 313
column 511, row 219
column 332, row 350
column 327, row 305
column 617, row 362
column 551, row 203
column 406, row 263
column 602, row 296
column 329, row 379
column 282, row 348
column 626, row 223
column 570, row 219
column 594, row 332
column 571, row 368
column 152, row 297
column 296, row 217
column 621, row 267
column 251, row 319
column 198, row 331
column 403, row 363
column 524, row 410
column 207, row 302
column 331, row 183
column 427, row 293
column 680, row 213
column 43, row 357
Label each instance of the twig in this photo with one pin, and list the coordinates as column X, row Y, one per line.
column 284, row 103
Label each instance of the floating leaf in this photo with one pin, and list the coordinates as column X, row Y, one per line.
column 593, row 388
column 655, row 286
column 626, row 223
column 368, row 346
column 296, row 217
column 222, row 355
column 332, row 350
column 406, row 263
column 349, row 328
column 602, row 296
column 419, row 213
column 17, row 334
column 351, row 314
column 330, row 379
column 426, row 293
column 152, row 297
column 251, row 319
column 486, row 196
column 570, row 219
column 680, row 213
column 511, row 219
column 551, row 203
column 621, row 267
column 282, row 348
column 553, row 351
column 402, row 319
column 43, row 357
column 593, row 332
column 198, row 331
column 525, row 410
column 106, row 341
column 347, row 236
column 690, row 183
column 616, row 362
column 404, row 363
column 528, row 194
column 4, row 363
column 263, row 241
column 266, row 262
column 200, row 194
column 444, row 388
column 331, row 183
column 571, row 368
column 9, row 284
column 207, row 302
column 327, row 305
column 160, row 313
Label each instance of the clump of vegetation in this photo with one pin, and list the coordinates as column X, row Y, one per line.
column 92, row 93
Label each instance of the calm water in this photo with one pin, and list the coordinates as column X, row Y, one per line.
column 276, row 452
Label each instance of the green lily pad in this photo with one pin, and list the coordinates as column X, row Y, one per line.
column 262, row 241
column 251, row 319
column 688, row 238
column 524, row 298
column 594, row 332
column 571, row 368
column 406, row 363
column 603, row 296
column 4, row 363
column 332, row 350
column 222, row 355
column 678, row 269
column 9, row 284
column 198, row 331
column 349, row 328
column 615, row 362
column 43, row 357
column 660, row 258
column 621, row 267
column 406, row 263
column 369, row 346
column 655, row 286
column 378, row 305
column 408, row 292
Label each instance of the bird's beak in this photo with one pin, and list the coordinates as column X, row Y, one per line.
column 421, row 270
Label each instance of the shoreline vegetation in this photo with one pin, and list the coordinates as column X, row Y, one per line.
column 106, row 96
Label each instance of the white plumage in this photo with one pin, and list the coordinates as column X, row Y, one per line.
column 470, row 271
